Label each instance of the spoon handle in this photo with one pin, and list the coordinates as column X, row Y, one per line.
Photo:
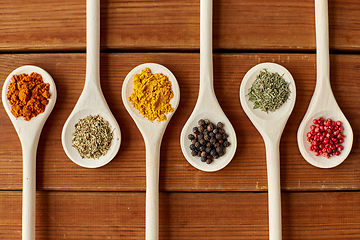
column 322, row 47
column 93, row 42
column 206, row 55
column 29, row 189
column 152, row 189
column 274, row 189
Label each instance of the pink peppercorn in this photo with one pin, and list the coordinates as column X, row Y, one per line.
column 325, row 137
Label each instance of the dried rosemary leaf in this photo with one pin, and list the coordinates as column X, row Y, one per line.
column 92, row 137
column 269, row 91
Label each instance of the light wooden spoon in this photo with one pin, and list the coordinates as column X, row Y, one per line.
column 270, row 125
column 323, row 103
column 91, row 101
column 207, row 106
column 152, row 133
column 29, row 134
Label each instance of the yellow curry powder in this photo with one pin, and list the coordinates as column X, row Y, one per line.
column 28, row 95
column 152, row 95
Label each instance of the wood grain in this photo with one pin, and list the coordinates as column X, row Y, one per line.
column 69, row 215
column 109, row 202
column 246, row 172
column 270, row 25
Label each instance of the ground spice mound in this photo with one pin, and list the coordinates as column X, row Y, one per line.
column 151, row 95
column 92, row 137
column 28, row 95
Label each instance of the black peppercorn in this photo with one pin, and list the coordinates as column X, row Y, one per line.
column 221, row 130
column 210, row 127
column 203, row 154
column 195, row 129
column 193, row 141
column 212, row 140
column 217, row 136
column 226, row 144
column 219, row 149
column 203, row 159
column 215, row 131
column 208, row 149
column 220, row 125
column 200, row 128
column 192, row 147
column 224, row 136
column 209, row 160
column 202, row 141
column 206, row 137
column 207, row 121
column 193, row 153
column 201, row 122
column 197, row 144
column 200, row 136
column 191, row 137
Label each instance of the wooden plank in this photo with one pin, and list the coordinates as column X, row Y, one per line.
column 174, row 25
column 246, row 172
column 70, row 215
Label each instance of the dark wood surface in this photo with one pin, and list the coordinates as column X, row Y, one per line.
column 237, row 215
column 109, row 202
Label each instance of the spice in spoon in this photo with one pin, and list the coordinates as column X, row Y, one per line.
column 325, row 137
column 92, row 137
column 208, row 141
column 28, row 95
column 269, row 91
column 151, row 95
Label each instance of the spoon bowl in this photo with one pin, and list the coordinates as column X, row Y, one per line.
column 81, row 113
column 29, row 134
column 20, row 123
column 270, row 125
column 152, row 133
column 207, row 105
column 323, row 103
column 91, row 101
column 250, row 77
column 128, row 87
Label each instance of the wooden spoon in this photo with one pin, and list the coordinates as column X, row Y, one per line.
column 323, row 103
column 152, row 133
column 29, row 134
column 207, row 106
column 270, row 125
column 91, row 101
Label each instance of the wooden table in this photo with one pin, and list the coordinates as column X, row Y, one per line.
column 109, row 202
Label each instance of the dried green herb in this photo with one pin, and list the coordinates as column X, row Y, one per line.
column 269, row 91
column 92, row 137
